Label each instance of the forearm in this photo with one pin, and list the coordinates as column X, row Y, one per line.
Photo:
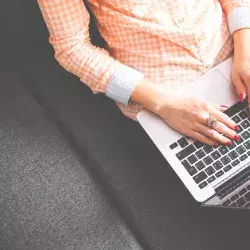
column 92, row 65
column 69, row 35
column 241, row 44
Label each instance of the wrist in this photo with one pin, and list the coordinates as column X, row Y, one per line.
column 241, row 35
column 150, row 96
column 241, row 43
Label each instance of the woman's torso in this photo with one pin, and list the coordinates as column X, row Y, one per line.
column 172, row 42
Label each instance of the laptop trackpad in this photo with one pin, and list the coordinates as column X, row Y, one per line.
column 214, row 88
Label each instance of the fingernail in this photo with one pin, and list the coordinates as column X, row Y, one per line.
column 236, row 127
column 242, row 96
column 236, row 138
column 224, row 106
column 229, row 143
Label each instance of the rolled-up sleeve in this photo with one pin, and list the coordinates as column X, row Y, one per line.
column 238, row 13
column 68, row 25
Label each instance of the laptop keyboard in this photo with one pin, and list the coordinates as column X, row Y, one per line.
column 240, row 199
column 206, row 163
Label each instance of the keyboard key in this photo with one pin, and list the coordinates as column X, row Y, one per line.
column 234, row 197
column 243, row 115
column 185, row 152
column 210, row 170
column 243, row 157
column 198, row 144
column 216, row 155
column 226, row 203
column 208, row 160
column 236, row 108
column 220, row 173
column 242, row 191
column 217, row 165
column 239, row 141
column 200, row 165
column 203, row 184
column 182, row 142
column 248, row 187
column 236, row 119
column 248, row 204
column 227, row 168
column 245, row 124
column 191, row 170
column 173, row 145
column 200, row 154
column 241, row 202
column 233, row 155
column 211, row 179
column 225, row 160
column 247, row 144
column 247, row 196
column 235, row 163
column 192, row 159
column 232, row 146
column 241, row 150
column 200, row 177
column 240, row 129
column 245, row 135
column 223, row 150
column 208, row 149
column 233, row 204
column 248, row 152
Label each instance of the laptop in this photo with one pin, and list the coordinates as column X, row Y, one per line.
column 214, row 176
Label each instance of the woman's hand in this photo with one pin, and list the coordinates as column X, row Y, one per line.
column 190, row 115
column 241, row 65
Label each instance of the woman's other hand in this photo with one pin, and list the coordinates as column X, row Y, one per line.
column 241, row 65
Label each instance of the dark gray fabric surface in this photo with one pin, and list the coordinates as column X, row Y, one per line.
column 47, row 198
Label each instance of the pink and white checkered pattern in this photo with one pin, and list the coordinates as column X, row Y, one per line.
column 172, row 42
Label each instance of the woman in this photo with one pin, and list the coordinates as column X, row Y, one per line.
column 153, row 48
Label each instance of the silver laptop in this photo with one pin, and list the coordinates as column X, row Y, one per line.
column 214, row 176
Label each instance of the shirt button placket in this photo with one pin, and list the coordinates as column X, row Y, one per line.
column 181, row 20
column 201, row 42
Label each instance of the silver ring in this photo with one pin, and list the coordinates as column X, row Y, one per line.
column 212, row 122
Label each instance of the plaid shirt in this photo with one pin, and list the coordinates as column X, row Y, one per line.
column 168, row 42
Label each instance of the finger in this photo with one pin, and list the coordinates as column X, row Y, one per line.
column 202, row 138
column 203, row 117
column 226, row 131
column 239, row 85
column 213, row 134
column 222, row 117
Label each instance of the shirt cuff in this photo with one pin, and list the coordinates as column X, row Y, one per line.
column 123, row 83
column 238, row 18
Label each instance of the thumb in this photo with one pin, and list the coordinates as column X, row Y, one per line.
column 221, row 107
column 239, row 85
